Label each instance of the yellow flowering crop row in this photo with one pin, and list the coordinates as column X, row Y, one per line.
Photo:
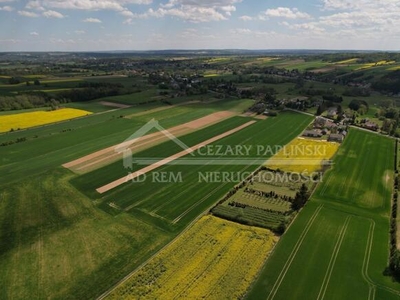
column 215, row 259
column 303, row 155
column 31, row 119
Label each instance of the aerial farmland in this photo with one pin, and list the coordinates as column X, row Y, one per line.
column 199, row 176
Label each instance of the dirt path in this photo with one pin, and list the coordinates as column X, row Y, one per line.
column 112, row 104
column 167, row 160
column 109, row 155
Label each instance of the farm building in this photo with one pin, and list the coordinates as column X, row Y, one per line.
column 319, row 122
column 332, row 112
column 336, row 138
column 330, row 125
column 312, row 133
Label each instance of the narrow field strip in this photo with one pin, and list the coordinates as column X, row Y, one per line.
column 167, row 160
column 332, row 261
column 106, row 155
column 113, row 104
column 292, row 255
column 147, row 141
column 367, row 256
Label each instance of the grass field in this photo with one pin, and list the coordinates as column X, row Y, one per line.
column 57, row 245
column 37, row 118
column 303, row 155
column 214, row 259
column 342, row 232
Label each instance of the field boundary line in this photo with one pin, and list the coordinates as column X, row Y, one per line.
column 292, row 255
column 212, row 119
column 367, row 256
column 332, row 261
column 174, row 240
column 165, row 161
column 141, row 266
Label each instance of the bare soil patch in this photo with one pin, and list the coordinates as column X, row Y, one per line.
column 112, row 104
column 169, row 159
column 108, row 155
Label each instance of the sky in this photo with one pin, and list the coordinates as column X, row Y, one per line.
column 104, row 25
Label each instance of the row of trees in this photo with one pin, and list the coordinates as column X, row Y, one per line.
column 86, row 91
column 27, row 101
column 394, row 259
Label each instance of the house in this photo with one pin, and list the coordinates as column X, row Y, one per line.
column 371, row 126
column 319, row 122
column 312, row 133
column 332, row 111
column 330, row 125
column 336, row 138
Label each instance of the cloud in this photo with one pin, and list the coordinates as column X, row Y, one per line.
column 127, row 13
column 3, row 1
column 89, row 5
column 285, row 12
column 80, row 31
column 34, row 4
column 128, row 21
column 362, row 20
column 28, row 14
column 34, row 33
column 91, row 20
column 6, row 8
column 53, row 14
column 241, row 31
column 245, row 18
column 194, row 11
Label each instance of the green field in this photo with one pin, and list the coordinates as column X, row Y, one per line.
column 55, row 244
column 58, row 244
column 61, row 239
column 342, row 232
column 250, row 216
column 259, row 201
column 50, row 146
column 178, row 203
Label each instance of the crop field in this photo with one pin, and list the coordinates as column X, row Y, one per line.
column 254, row 200
column 280, row 183
column 265, row 200
column 214, row 259
column 250, row 216
column 37, row 118
column 135, row 98
column 44, row 221
column 92, row 106
column 179, row 202
column 342, row 232
column 55, row 243
column 91, row 133
column 216, row 213
column 303, row 155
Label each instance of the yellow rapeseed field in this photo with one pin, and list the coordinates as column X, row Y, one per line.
column 303, row 155
column 31, row 119
column 215, row 259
